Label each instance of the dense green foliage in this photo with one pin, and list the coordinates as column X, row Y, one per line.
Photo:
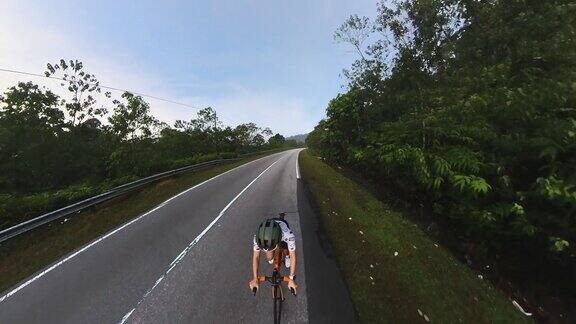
column 467, row 108
column 56, row 151
column 393, row 269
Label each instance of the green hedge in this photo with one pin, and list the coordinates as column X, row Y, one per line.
column 16, row 208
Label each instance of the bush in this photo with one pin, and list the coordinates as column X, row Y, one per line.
column 473, row 120
column 18, row 208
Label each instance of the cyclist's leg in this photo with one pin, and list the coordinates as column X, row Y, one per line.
column 284, row 250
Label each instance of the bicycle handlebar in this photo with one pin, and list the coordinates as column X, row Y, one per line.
column 268, row 278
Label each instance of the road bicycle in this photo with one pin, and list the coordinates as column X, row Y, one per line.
column 276, row 280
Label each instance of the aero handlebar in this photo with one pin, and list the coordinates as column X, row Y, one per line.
column 269, row 279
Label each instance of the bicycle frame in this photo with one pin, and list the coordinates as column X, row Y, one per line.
column 276, row 279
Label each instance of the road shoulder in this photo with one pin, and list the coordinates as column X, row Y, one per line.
column 328, row 296
column 395, row 272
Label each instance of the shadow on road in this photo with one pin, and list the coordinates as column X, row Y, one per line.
column 328, row 297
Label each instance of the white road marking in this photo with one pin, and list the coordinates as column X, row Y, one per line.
column 127, row 316
column 297, row 166
column 59, row 263
column 182, row 254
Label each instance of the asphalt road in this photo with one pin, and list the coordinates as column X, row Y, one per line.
column 188, row 261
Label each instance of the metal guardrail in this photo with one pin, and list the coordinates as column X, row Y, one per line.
column 23, row 227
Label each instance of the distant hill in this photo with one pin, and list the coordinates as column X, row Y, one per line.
column 300, row 138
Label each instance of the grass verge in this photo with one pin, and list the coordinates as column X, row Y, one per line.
column 24, row 255
column 395, row 272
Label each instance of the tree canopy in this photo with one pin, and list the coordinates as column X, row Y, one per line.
column 55, row 149
column 467, row 108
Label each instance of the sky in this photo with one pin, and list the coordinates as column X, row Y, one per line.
column 271, row 62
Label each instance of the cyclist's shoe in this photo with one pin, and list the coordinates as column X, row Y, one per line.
column 287, row 261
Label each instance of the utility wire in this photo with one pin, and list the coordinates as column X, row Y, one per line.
column 112, row 88
column 103, row 87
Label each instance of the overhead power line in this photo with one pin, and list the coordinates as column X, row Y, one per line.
column 103, row 87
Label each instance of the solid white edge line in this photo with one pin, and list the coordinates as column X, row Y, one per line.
column 59, row 263
column 182, row 254
column 297, row 165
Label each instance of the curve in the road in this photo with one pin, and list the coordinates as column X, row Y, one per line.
column 179, row 263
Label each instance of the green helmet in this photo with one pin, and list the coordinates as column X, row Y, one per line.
column 268, row 235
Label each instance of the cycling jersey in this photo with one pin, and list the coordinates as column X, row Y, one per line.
column 287, row 236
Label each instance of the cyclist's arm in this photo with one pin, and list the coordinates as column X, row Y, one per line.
column 292, row 262
column 291, row 283
column 290, row 240
column 255, row 263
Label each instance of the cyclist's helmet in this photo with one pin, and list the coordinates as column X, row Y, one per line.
column 268, row 235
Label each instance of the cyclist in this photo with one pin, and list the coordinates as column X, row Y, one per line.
column 274, row 234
